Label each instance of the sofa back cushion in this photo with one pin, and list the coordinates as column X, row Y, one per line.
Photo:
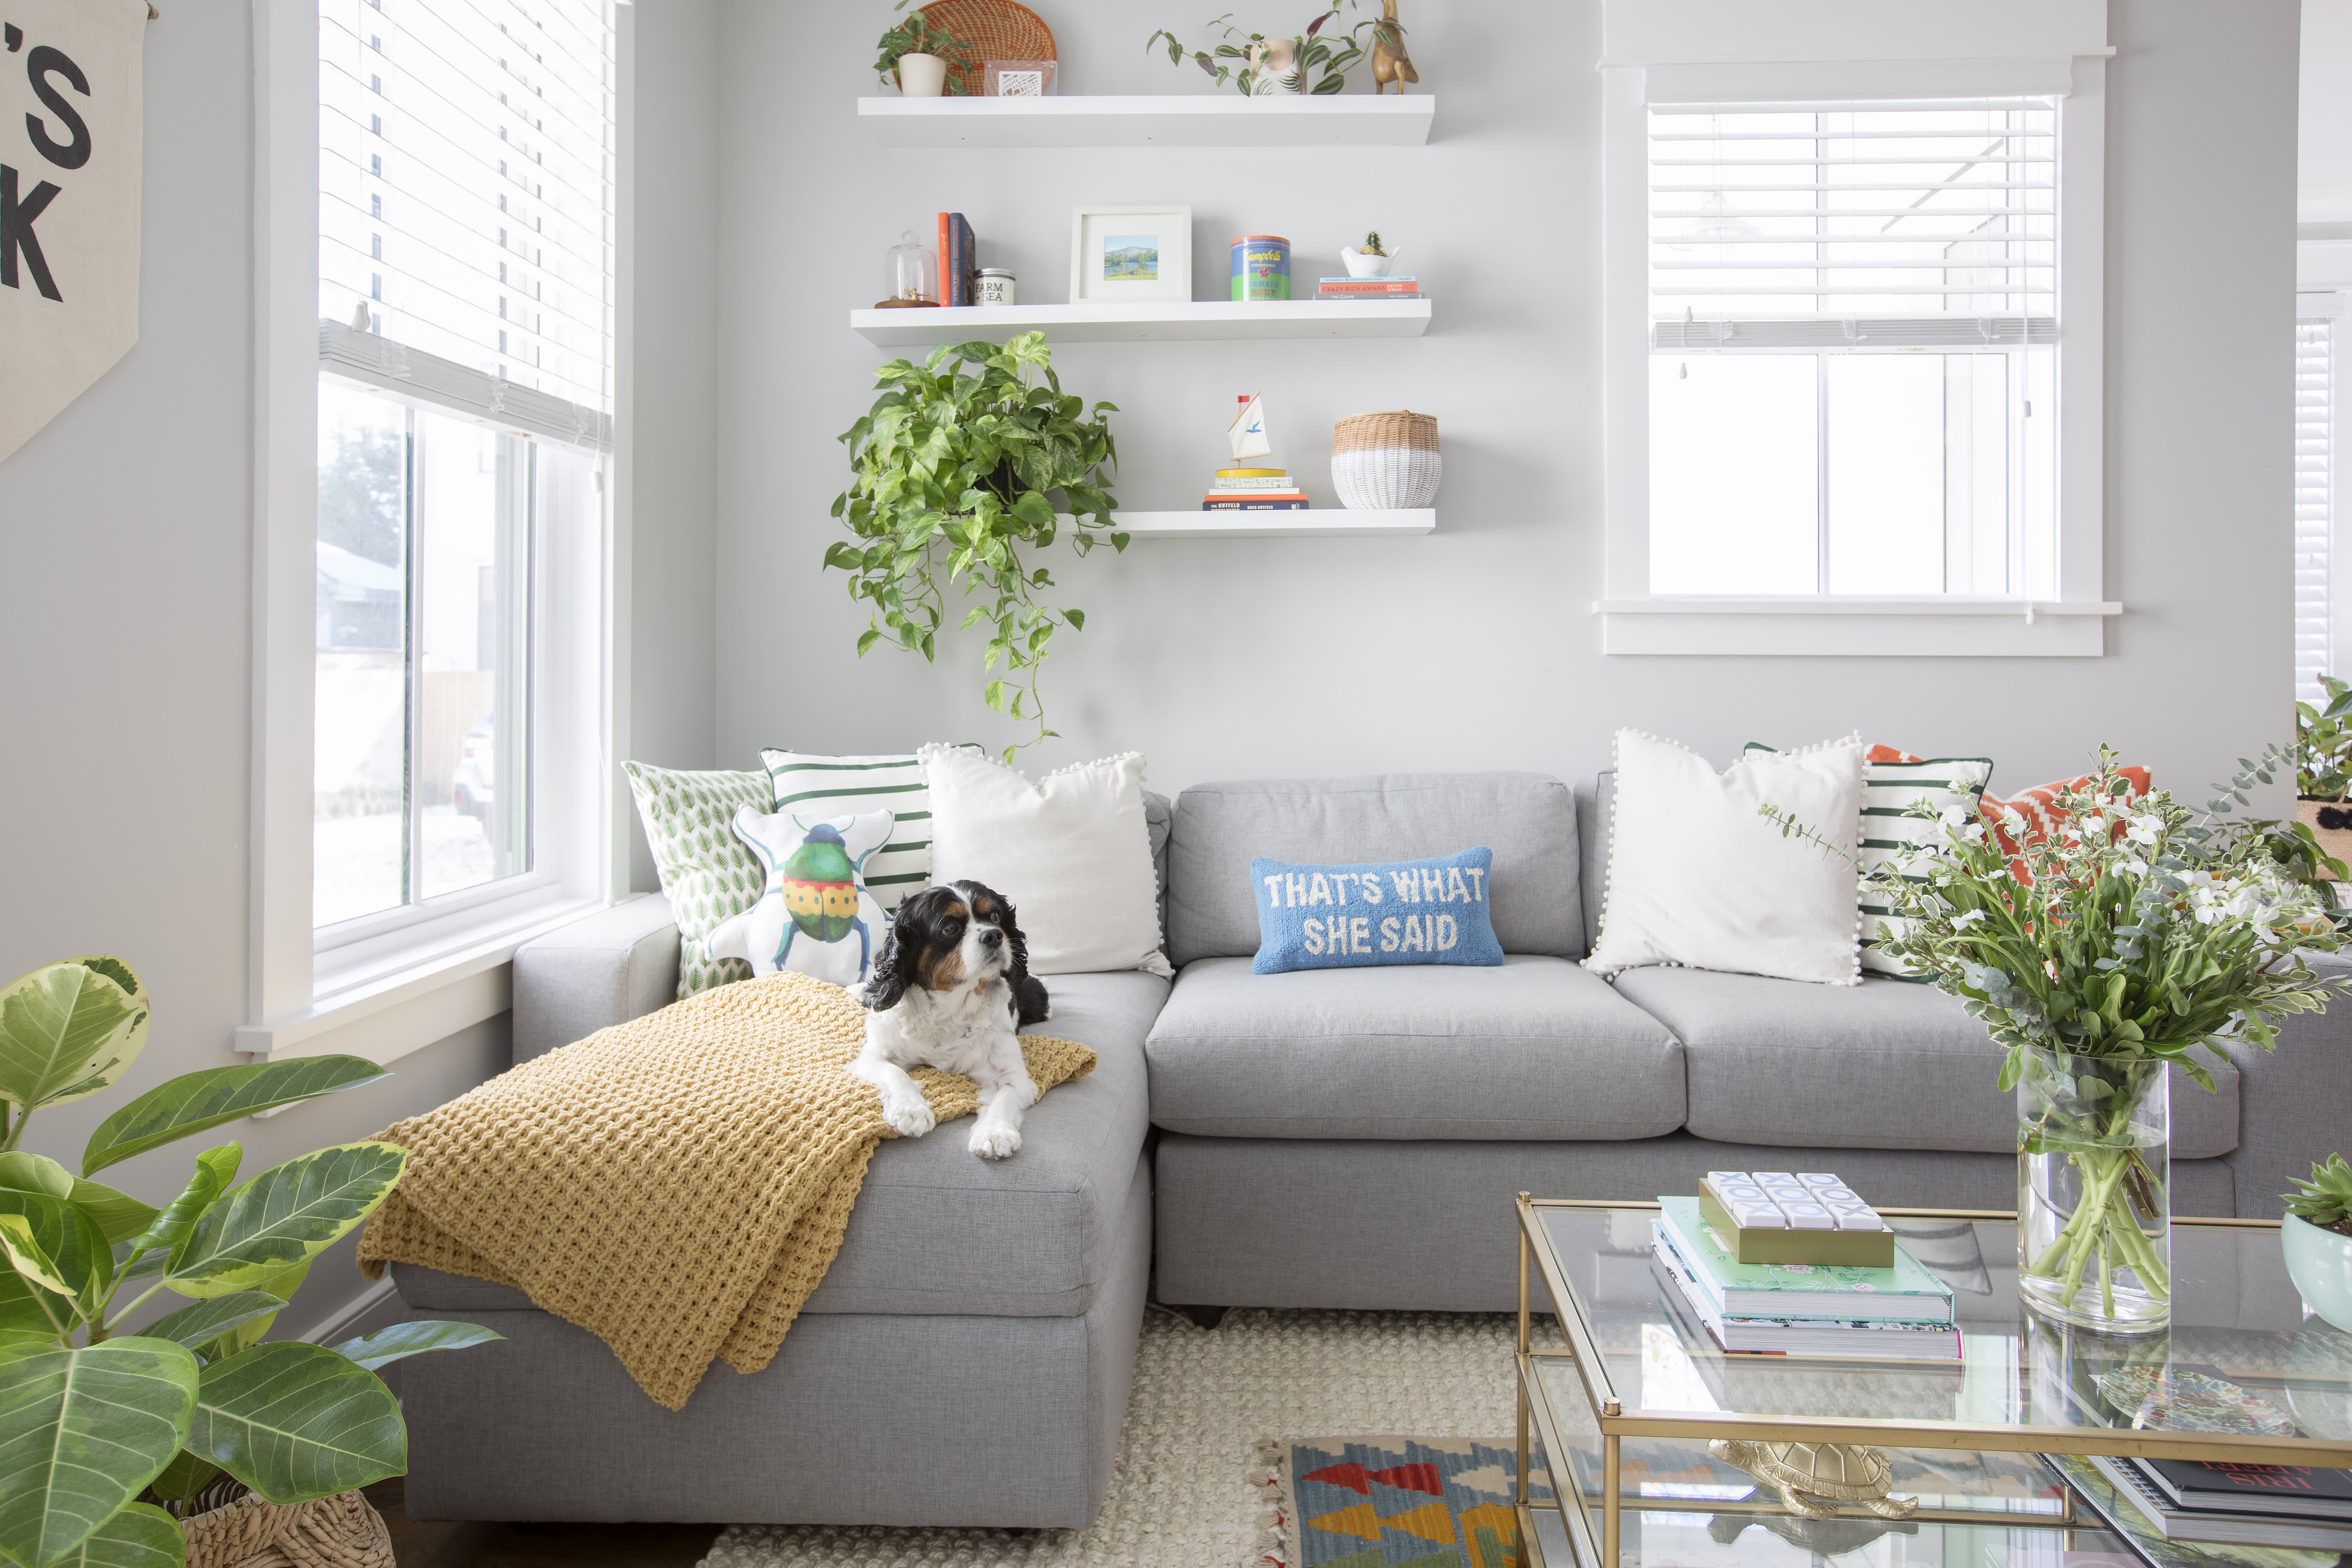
column 1527, row 819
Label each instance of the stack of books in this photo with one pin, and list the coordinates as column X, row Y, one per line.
column 1903, row 1313
column 1254, row 490
column 2291, row 1506
column 1393, row 288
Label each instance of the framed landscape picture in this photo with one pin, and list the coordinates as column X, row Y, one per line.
column 1131, row 256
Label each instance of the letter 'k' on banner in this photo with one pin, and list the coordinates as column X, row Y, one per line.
column 69, row 92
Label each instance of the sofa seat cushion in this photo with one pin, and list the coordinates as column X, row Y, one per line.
column 938, row 1230
column 1534, row 1048
column 1887, row 1064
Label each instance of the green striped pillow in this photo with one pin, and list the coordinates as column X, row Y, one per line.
column 812, row 787
column 1892, row 836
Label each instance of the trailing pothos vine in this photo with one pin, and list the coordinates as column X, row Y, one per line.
column 956, row 471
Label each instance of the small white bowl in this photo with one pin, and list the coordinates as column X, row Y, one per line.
column 1362, row 266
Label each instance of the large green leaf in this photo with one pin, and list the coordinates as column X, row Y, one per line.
column 141, row 1536
column 68, row 1029
column 183, row 1478
column 69, row 1241
column 117, row 1216
column 216, row 1169
column 401, row 1341
column 193, row 1101
column 296, row 1421
column 198, row 1321
column 282, row 1218
column 81, row 1432
column 253, row 1330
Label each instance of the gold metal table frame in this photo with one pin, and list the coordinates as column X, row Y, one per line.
column 1538, row 1257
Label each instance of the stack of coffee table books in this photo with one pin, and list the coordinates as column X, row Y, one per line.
column 1842, row 1310
column 2291, row 1506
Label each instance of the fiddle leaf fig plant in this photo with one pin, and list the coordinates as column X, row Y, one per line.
column 955, row 472
column 107, row 1437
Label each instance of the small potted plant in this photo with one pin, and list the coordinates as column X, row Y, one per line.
column 2318, row 1236
column 1260, row 65
column 914, row 56
column 1373, row 261
column 2322, row 767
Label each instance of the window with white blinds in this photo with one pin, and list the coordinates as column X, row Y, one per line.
column 1885, row 224
column 466, row 212
column 1853, row 312
column 2315, row 505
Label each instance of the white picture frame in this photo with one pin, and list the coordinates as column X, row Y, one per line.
column 1131, row 256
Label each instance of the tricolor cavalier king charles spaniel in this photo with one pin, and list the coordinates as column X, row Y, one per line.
column 951, row 990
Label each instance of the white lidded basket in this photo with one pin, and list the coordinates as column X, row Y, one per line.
column 1386, row 462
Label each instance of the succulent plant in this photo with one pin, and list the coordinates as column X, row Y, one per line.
column 1371, row 246
column 2325, row 1200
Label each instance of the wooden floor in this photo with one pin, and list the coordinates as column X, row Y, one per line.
column 474, row 1544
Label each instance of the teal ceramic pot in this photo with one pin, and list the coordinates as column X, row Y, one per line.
column 2320, row 1264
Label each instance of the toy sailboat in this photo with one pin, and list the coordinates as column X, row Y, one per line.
column 1247, row 431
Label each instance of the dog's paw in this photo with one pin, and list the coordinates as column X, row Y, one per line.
column 995, row 1141
column 909, row 1116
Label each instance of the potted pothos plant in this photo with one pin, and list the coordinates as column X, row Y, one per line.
column 111, row 1435
column 2134, row 934
column 914, row 59
column 2323, row 765
column 955, row 472
column 1311, row 60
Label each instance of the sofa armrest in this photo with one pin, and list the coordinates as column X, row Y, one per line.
column 616, row 964
column 2295, row 1102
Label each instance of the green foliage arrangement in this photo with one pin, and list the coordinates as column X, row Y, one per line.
column 2139, row 930
column 2323, row 744
column 2325, row 1199
column 1311, row 52
column 99, row 1427
column 914, row 35
column 955, row 472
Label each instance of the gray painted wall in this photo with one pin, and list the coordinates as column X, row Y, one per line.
column 125, row 550
column 1474, row 647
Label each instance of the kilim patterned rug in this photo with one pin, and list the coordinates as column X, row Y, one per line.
column 1370, row 1502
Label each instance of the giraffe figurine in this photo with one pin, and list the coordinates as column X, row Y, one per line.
column 1389, row 61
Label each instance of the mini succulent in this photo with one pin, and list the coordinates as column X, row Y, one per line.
column 2325, row 1200
column 1371, row 246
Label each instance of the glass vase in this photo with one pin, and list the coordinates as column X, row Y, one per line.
column 2095, row 1190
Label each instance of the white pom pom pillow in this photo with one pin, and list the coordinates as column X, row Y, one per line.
column 1699, row 877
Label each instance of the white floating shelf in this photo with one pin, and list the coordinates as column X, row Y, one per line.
column 1189, row 321
column 1351, row 120
column 1332, row 524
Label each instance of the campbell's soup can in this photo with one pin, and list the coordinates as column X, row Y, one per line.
column 1262, row 266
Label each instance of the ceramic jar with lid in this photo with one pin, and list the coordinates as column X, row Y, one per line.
column 996, row 287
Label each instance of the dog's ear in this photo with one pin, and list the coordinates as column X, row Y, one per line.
column 894, row 971
column 1029, row 1005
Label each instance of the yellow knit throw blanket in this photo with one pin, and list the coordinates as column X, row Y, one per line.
column 676, row 1184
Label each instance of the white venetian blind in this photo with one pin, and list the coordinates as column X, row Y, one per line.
column 466, row 167
column 2314, row 495
column 1860, row 224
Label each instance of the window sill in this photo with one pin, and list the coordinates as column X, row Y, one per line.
column 405, row 1001
column 1843, row 626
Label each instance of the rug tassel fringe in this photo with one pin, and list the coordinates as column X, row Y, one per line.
column 1270, row 1550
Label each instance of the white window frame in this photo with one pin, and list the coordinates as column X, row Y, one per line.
column 1734, row 50
column 387, row 984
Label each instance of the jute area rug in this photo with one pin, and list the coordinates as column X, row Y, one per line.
column 1189, row 1488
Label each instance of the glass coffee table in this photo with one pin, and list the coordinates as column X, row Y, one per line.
column 1623, row 1408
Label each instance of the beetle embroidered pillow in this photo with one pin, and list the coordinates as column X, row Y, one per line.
column 1389, row 912
column 815, row 916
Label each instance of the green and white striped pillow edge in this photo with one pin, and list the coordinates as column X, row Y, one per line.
column 818, row 786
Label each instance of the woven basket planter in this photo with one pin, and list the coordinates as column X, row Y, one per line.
column 992, row 30
column 1386, row 462
column 339, row 1532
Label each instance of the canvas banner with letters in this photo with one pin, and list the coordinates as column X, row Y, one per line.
column 69, row 95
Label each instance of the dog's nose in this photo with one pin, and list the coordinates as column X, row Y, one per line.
column 990, row 937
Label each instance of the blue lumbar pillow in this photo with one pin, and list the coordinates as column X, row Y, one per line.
column 1395, row 911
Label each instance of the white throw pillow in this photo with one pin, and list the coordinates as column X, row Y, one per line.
column 1698, row 876
column 1071, row 852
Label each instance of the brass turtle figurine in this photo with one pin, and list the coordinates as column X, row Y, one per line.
column 1814, row 1477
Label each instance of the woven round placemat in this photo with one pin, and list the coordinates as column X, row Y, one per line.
column 339, row 1532
column 989, row 30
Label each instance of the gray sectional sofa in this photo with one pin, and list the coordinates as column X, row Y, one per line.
column 1348, row 1139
